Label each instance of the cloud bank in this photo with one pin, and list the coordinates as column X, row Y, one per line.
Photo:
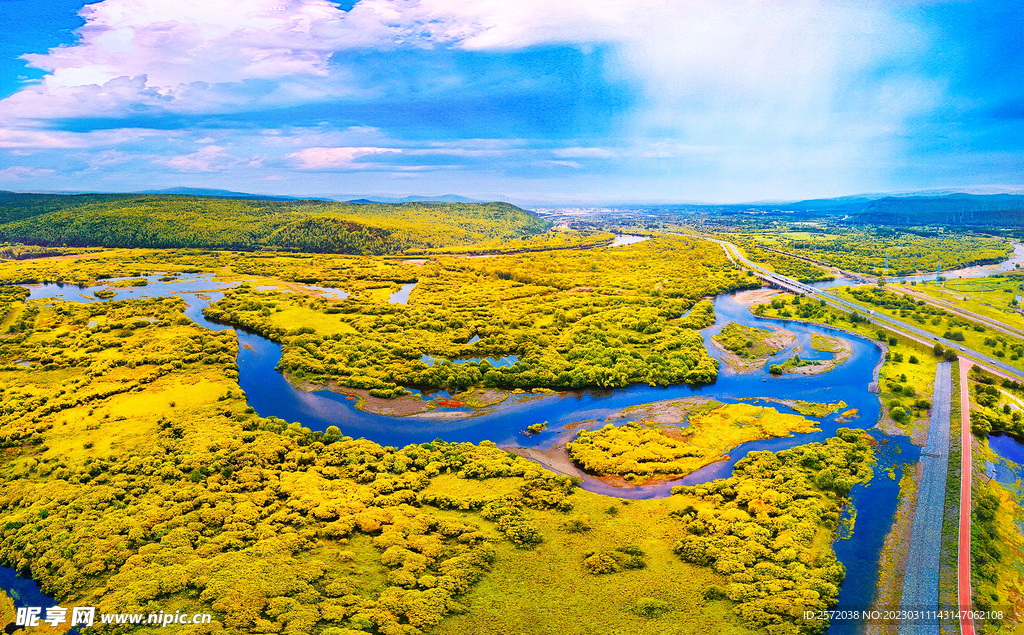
column 723, row 100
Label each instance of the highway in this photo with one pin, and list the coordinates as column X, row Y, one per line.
column 971, row 357
column 970, row 315
column 921, row 335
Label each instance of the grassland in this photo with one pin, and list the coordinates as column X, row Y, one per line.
column 806, row 408
column 573, row 319
column 547, row 591
column 750, row 342
column 641, row 451
column 997, row 549
column 747, row 348
column 997, row 544
column 826, row 343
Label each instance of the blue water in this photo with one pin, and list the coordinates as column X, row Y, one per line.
column 402, row 295
column 508, row 360
column 24, row 591
column 1011, row 453
column 621, row 240
column 271, row 395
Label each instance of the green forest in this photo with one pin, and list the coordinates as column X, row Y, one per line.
column 867, row 250
column 172, row 221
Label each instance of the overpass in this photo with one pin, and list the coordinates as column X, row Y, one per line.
column 920, row 335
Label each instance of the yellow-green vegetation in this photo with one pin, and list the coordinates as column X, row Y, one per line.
column 997, row 544
column 806, row 408
column 640, row 451
column 549, row 590
column 997, row 551
column 609, row 317
column 768, row 528
column 134, row 464
column 993, row 297
column 782, row 264
column 170, row 221
column 18, row 251
column 826, row 343
column 750, row 342
column 794, row 365
column 134, row 476
column 865, row 250
column 997, row 405
column 555, row 239
column 7, row 610
column 974, row 335
column 536, row 428
column 606, row 317
column 907, row 376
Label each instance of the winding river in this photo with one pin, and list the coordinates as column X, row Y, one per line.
column 271, row 395
column 875, row 503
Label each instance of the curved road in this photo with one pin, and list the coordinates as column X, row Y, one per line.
column 924, row 337
column 915, row 333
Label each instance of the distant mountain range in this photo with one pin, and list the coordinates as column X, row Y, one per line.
column 444, row 198
column 949, row 210
column 344, row 198
column 942, row 207
column 201, row 191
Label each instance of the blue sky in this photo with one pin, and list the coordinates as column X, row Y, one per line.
column 576, row 100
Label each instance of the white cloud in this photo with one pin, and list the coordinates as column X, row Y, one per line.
column 733, row 88
column 320, row 158
column 565, row 164
column 44, row 139
column 18, row 172
column 584, row 153
column 209, row 158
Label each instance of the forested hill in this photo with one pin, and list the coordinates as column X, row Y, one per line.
column 155, row 220
column 955, row 210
